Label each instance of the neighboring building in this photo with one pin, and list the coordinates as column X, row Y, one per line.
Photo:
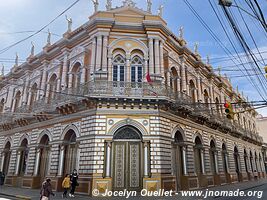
column 262, row 127
column 85, row 103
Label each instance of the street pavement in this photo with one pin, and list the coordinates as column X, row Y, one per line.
column 259, row 188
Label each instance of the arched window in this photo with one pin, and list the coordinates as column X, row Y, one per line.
column 225, row 158
column 173, row 79
column 23, row 159
column 52, row 87
column 2, row 103
column 251, row 161
column 119, row 68
column 217, row 103
column 198, row 156
column 44, row 157
column 246, row 160
column 70, row 152
column 245, row 122
column 76, row 75
column 237, row 163
column 33, row 94
column 192, row 90
column 206, row 98
column 17, row 100
column 136, row 69
column 6, row 154
column 213, row 157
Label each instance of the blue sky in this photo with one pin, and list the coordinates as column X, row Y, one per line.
column 31, row 15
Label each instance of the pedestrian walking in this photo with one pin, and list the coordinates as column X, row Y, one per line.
column 66, row 185
column 74, row 182
column 46, row 190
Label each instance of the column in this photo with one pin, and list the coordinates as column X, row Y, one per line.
column 227, row 162
column 151, row 56
column 146, row 159
column 10, row 98
column 25, row 92
column 78, row 157
column 98, row 53
column 184, row 159
column 58, row 85
column 37, row 161
column 145, row 71
column 108, row 159
column 29, row 98
column 61, row 160
column 64, row 71
column 202, row 161
column 2, row 162
column 92, row 67
column 157, row 58
column 105, row 51
column 183, row 78
column 48, row 90
column 83, row 75
column 128, row 68
column 18, row 162
column 161, row 59
column 216, row 161
column 199, row 88
column 43, row 83
column 110, row 68
column 71, row 76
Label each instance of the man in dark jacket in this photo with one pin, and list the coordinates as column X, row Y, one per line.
column 74, row 182
column 46, row 189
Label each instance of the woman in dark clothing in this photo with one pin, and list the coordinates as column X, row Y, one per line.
column 74, row 182
column 46, row 190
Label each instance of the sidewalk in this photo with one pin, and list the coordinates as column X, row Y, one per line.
column 33, row 194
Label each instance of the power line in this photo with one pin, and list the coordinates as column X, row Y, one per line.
column 44, row 27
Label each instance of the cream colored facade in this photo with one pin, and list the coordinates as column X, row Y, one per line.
column 84, row 103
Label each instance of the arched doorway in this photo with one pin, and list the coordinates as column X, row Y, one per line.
column 44, row 158
column 225, row 158
column 237, row 163
column 246, row 162
column 6, row 158
column 192, row 91
column 22, row 157
column 127, row 162
column 179, row 159
column 198, row 156
column 213, row 157
column 251, row 162
column 70, row 152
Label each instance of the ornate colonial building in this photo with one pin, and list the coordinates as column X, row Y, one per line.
column 124, row 101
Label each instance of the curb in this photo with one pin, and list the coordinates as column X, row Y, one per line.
column 16, row 196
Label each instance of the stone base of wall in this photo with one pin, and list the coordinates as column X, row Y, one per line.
column 101, row 185
column 217, row 179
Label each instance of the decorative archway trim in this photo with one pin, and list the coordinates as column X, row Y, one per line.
column 178, row 128
column 127, row 122
column 45, row 132
column 70, row 127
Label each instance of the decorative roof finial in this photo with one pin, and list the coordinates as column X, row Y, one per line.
column 69, row 20
column 109, row 5
column 17, row 60
column 3, row 70
column 128, row 3
column 160, row 10
column 32, row 49
column 96, row 4
column 220, row 69
column 48, row 37
column 208, row 60
column 237, row 89
column 196, row 47
column 181, row 32
column 149, row 6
